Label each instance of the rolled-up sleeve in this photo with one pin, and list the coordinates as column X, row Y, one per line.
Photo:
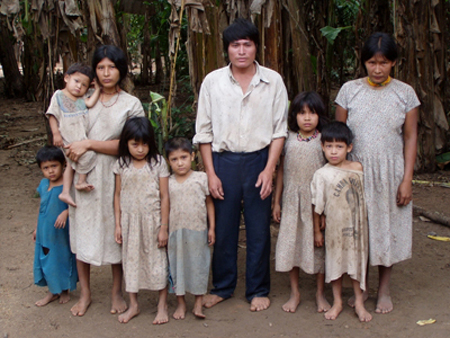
column 280, row 112
column 203, row 125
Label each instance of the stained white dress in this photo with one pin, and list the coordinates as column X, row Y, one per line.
column 339, row 194
column 295, row 244
column 92, row 221
column 376, row 117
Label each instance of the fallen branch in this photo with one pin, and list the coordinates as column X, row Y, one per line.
column 432, row 183
column 435, row 216
column 26, row 142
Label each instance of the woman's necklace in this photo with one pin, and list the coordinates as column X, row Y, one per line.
column 110, row 94
column 382, row 84
column 302, row 138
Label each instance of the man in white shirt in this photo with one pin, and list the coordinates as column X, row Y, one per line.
column 241, row 127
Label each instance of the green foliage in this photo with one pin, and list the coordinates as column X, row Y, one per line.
column 331, row 33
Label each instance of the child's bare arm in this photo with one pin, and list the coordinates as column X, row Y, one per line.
column 318, row 236
column 211, row 220
column 163, row 234
column 276, row 212
column 62, row 219
column 57, row 138
column 92, row 100
column 118, row 229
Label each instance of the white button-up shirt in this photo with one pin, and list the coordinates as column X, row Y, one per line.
column 233, row 121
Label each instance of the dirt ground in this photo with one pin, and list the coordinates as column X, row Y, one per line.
column 420, row 286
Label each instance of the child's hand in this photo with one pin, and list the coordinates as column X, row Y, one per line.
column 318, row 239
column 60, row 222
column 276, row 213
column 34, row 235
column 57, row 140
column 96, row 85
column 323, row 223
column 163, row 236
column 118, row 234
column 211, row 237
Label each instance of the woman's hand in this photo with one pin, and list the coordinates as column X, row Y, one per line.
column 404, row 193
column 74, row 150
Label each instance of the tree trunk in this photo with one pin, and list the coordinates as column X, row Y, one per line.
column 14, row 83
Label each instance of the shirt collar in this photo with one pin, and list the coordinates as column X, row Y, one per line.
column 257, row 78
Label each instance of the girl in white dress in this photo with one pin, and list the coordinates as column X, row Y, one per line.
column 301, row 157
column 382, row 113
column 141, row 208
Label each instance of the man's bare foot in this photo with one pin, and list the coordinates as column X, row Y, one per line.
column 259, row 303
column 162, row 316
column 293, row 302
column 49, row 297
column 334, row 312
column 118, row 304
column 351, row 300
column 64, row 297
column 322, row 303
column 362, row 313
column 384, row 304
column 80, row 308
column 132, row 311
column 210, row 300
column 66, row 198
column 84, row 186
column 180, row 312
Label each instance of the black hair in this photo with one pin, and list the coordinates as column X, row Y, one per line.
column 50, row 153
column 80, row 68
column 314, row 102
column 115, row 54
column 178, row 143
column 337, row 131
column 139, row 129
column 240, row 29
column 379, row 43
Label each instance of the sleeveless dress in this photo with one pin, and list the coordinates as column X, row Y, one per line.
column 295, row 244
column 376, row 117
column 144, row 264
column 189, row 253
column 92, row 221
column 56, row 268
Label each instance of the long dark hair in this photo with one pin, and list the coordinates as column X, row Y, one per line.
column 314, row 102
column 379, row 43
column 115, row 54
column 139, row 129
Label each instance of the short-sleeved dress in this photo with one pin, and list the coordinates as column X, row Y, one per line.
column 376, row 118
column 189, row 254
column 339, row 194
column 92, row 221
column 295, row 245
column 145, row 265
column 73, row 122
column 57, row 267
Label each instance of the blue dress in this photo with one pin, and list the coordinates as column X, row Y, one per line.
column 54, row 264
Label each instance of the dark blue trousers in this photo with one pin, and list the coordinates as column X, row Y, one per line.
column 239, row 173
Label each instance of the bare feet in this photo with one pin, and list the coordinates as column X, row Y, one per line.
column 66, row 198
column 210, row 300
column 64, row 297
column 322, row 303
column 362, row 313
column 49, row 297
column 118, row 304
column 198, row 309
column 351, row 300
column 80, row 308
column 180, row 312
column 84, row 186
column 384, row 304
column 162, row 316
column 132, row 311
column 334, row 312
column 293, row 302
column 259, row 303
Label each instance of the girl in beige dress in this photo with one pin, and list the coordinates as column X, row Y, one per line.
column 301, row 157
column 141, row 208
